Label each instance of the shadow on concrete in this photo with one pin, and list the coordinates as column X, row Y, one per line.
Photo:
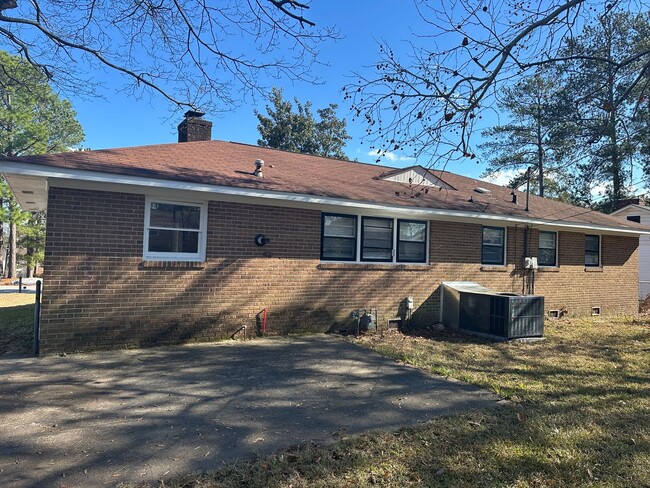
column 139, row 415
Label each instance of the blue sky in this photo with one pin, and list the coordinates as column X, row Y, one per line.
column 118, row 120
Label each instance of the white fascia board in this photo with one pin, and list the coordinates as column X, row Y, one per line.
column 303, row 199
column 631, row 206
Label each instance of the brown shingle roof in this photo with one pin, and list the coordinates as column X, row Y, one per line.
column 231, row 164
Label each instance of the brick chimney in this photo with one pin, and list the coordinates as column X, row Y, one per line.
column 194, row 128
column 624, row 202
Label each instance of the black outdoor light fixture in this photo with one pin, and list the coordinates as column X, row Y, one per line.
column 261, row 240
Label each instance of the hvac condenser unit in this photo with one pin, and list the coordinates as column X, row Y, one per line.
column 470, row 307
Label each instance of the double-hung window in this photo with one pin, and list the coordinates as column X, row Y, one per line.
column 547, row 252
column 339, row 237
column 376, row 239
column 373, row 239
column 494, row 246
column 411, row 241
column 592, row 250
column 174, row 231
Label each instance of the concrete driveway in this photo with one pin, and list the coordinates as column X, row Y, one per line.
column 139, row 415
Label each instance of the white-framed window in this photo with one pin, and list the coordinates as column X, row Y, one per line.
column 373, row 239
column 174, row 230
column 592, row 250
column 493, row 249
column 547, row 249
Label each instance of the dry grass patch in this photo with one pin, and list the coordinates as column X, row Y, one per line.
column 16, row 299
column 578, row 417
column 16, row 323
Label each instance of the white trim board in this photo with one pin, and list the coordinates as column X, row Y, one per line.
column 264, row 197
column 630, row 207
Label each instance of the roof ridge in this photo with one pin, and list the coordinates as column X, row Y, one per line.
column 216, row 141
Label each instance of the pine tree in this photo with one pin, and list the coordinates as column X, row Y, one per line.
column 298, row 131
column 33, row 120
column 607, row 129
column 535, row 136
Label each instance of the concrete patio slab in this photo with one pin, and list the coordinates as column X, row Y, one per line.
column 139, row 415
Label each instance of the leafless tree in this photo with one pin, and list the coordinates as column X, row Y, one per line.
column 191, row 52
column 428, row 103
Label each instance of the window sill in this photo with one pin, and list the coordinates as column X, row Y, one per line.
column 355, row 266
column 187, row 265
column 494, row 269
column 550, row 269
column 593, row 269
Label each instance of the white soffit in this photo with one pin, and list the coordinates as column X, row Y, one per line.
column 30, row 191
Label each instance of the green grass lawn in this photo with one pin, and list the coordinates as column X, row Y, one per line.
column 16, row 323
column 579, row 416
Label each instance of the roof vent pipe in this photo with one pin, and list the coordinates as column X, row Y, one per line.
column 514, row 197
column 259, row 164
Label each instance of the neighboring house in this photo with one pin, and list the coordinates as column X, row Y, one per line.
column 177, row 242
column 635, row 210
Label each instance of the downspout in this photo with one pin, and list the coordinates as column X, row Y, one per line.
column 526, row 232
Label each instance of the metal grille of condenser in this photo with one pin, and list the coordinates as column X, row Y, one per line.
column 526, row 317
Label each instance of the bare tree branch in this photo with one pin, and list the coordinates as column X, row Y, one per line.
column 279, row 4
column 429, row 103
column 193, row 53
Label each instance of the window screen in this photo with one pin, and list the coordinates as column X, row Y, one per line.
column 592, row 250
column 173, row 230
column 411, row 241
column 547, row 252
column 377, row 239
column 493, row 251
column 339, row 237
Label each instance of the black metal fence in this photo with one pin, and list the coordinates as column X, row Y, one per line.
column 37, row 318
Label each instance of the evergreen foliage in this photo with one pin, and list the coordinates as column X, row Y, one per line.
column 298, row 131
column 33, row 120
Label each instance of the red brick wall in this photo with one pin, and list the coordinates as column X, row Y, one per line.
column 99, row 293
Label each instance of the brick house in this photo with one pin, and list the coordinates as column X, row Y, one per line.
column 637, row 210
column 161, row 244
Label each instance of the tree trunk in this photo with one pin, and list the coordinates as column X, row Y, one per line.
column 29, row 258
column 540, row 154
column 615, row 159
column 615, row 168
column 11, row 261
column 616, row 163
